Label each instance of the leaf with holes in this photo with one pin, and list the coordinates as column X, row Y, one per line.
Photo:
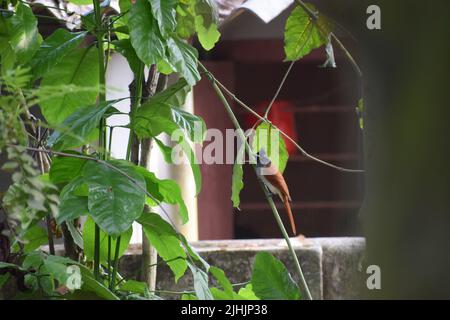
column 116, row 196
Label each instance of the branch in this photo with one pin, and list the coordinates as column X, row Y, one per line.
column 303, row 285
column 302, row 150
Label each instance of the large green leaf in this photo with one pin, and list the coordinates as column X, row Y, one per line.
column 164, row 13
column 182, row 57
column 144, row 33
column 65, row 169
column 89, row 242
column 78, row 68
column 271, row 280
column 303, row 34
column 53, row 49
column 114, row 200
column 237, row 179
column 166, row 242
column 80, row 127
column 33, row 238
column 71, row 204
column 164, row 190
column 270, row 139
column 24, row 37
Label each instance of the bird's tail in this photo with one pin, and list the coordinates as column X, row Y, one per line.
column 287, row 205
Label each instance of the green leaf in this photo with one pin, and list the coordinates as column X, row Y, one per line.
column 80, row 127
column 72, row 205
column 270, row 139
column 208, row 36
column 79, row 68
column 24, row 37
column 144, row 33
column 247, row 293
column 114, row 201
column 195, row 167
column 164, row 190
column 164, row 13
column 65, row 169
column 207, row 9
column 166, row 242
column 155, row 117
column 32, row 239
column 271, row 280
column 185, row 20
column 182, row 57
column 89, row 242
column 125, row 48
column 303, row 34
column 174, row 95
column 201, row 283
column 237, row 180
column 80, row 2
column 223, row 281
column 53, row 49
column 165, row 150
column 134, row 286
column 92, row 285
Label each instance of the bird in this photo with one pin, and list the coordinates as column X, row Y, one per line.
column 274, row 181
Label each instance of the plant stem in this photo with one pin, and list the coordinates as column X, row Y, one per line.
column 116, row 265
column 303, row 285
column 102, row 126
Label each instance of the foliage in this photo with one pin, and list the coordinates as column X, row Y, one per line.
column 65, row 77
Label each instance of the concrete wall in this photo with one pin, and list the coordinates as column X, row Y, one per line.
column 332, row 266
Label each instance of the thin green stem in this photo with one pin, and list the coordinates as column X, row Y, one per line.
column 116, row 265
column 303, row 285
column 102, row 126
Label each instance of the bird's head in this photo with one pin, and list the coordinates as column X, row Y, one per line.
column 262, row 160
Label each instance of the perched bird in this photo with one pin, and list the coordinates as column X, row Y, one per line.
column 274, row 181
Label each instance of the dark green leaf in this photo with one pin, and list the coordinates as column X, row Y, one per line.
column 72, row 205
column 303, row 34
column 114, row 200
column 271, row 280
column 166, row 242
column 53, row 49
column 125, row 48
column 165, row 150
column 89, row 242
column 182, row 57
column 65, row 169
column 79, row 68
column 144, row 33
column 79, row 127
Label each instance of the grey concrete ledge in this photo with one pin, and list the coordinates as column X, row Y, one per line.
column 332, row 266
